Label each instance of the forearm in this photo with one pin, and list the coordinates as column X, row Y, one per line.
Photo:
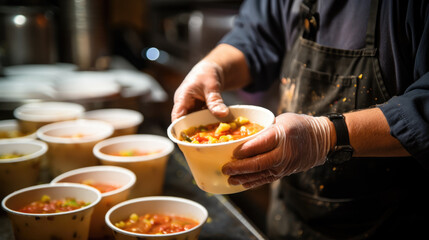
column 234, row 67
column 370, row 136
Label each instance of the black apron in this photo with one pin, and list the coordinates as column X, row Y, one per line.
column 352, row 200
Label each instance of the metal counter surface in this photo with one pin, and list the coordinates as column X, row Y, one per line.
column 225, row 221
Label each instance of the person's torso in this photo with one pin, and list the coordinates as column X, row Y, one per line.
column 317, row 80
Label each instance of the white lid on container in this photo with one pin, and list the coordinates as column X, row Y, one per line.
column 119, row 118
column 49, row 111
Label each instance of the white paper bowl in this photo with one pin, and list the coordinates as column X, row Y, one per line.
column 157, row 205
column 20, row 172
column 10, row 130
column 63, row 225
column 206, row 160
column 32, row 116
column 149, row 169
column 124, row 121
column 66, row 154
column 112, row 175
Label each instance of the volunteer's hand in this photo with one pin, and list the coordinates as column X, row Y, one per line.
column 201, row 86
column 294, row 143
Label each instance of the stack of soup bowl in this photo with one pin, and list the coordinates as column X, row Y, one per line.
column 118, row 175
column 82, row 150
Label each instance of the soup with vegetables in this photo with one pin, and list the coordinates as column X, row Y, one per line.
column 10, row 155
column 12, row 134
column 220, row 132
column 75, row 136
column 102, row 187
column 134, row 152
column 156, row 224
column 47, row 205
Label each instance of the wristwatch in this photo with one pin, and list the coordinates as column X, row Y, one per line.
column 342, row 151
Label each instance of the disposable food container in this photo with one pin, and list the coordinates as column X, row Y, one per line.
column 206, row 160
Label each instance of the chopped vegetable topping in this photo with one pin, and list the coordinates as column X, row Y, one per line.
column 220, row 132
column 156, row 224
column 46, row 205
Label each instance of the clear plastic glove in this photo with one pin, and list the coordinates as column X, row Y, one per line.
column 201, row 86
column 294, row 143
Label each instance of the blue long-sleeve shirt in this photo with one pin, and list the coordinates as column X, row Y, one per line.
column 264, row 32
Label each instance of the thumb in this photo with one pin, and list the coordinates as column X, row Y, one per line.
column 216, row 105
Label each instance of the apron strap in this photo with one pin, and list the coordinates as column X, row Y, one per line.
column 310, row 19
column 372, row 25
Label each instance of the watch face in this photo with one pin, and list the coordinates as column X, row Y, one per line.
column 340, row 154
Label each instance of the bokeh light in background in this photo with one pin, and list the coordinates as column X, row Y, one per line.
column 154, row 54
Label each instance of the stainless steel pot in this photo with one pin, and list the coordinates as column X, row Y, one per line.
column 27, row 35
column 84, row 33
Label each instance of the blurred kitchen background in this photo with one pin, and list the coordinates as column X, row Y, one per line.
column 115, row 53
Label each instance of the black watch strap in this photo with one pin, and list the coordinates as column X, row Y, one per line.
column 342, row 150
column 340, row 128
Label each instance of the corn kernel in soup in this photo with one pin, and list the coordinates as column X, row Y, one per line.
column 220, row 132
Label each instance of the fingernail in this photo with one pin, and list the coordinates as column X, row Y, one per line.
column 220, row 108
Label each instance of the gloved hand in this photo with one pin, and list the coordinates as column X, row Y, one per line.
column 202, row 84
column 294, row 143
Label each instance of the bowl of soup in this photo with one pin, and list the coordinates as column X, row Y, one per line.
column 32, row 116
column 51, row 211
column 124, row 121
column 20, row 163
column 208, row 142
column 10, row 130
column 144, row 154
column 71, row 143
column 157, row 217
column 114, row 184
